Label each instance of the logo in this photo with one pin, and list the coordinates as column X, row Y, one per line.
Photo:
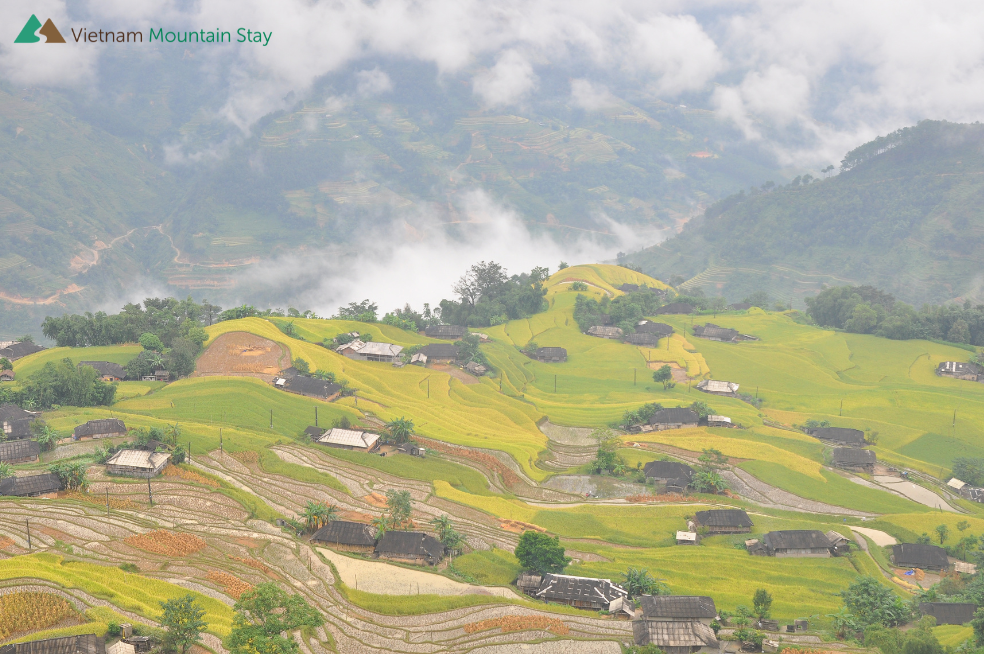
column 30, row 32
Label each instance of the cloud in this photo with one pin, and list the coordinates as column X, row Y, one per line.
column 591, row 97
column 506, row 83
column 677, row 51
column 373, row 82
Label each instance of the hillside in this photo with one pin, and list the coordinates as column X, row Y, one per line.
column 144, row 181
column 903, row 214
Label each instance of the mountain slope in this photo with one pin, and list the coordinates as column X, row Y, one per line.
column 906, row 214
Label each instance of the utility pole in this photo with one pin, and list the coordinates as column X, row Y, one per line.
column 150, row 495
column 841, row 412
column 221, row 451
column 28, row 521
column 633, row 376
column 107, row 500
column 429, row 387
column 555, row 383
column 315, row 416
column 271, row 418
column 756, row 392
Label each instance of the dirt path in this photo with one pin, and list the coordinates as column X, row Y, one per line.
column 879, row 538
column 455, row 372
column 386, row 579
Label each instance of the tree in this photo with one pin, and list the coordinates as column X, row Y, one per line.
column 302, row 366
column 638, row 581
column 400, row 506
column 73, row 476
column 608, row 459
column 664, row 376
column 5, row 470
column 762, row 603
column 541, row 553
column 871, row 603
column 942, row 532
column 150, row 341
column 46, row 437
column 263, row 615
column 447, row 534
column 182, row 622
column 978, row 624
column 5, row 364
column 382, row 525
column 401, row 430
column 963, row 525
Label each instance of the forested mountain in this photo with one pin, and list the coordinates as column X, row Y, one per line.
column 142, row 178
column 905, row 214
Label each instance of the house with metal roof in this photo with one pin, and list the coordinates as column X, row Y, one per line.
column 16, row 422
column 31, row 485
column 346, row 536
column 321, row 389
column 961, row 370
column 854, row 458
column 19, row 350
column 603, row 331
column 350, row 439
column 715, row 387
column 551, row 355
column 949, row 612
column 84, row 644
column 137, row 463
column 918, row 555
column 7, row 375
column 674, row 418
column 675, row 637
column 447, row 332
column 686, row 538
column 582, row 592
column 661, row 329
column 675, row 308
column 102, row 428
column 723, row 521
column 410, row 547
column 19, row 451
column 719, row 421
column 843, row 435
column 475, row 368
column 839, row 543
column 108, row 371
column 808, row 543
column 371, row 351
column 676, row 608
column 439, row 353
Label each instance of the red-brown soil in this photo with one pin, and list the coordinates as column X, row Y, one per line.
column 240, row 354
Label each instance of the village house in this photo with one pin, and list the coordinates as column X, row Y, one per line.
column 723, row 521
column 677, row 624
column 157, row 376
column 712, row 332
column 686, row 538
column 842, row 435
column 418, row 359
column 949, row 612
column 314, row 433
column 740, row 306
column 350, row 439
column 961, row 370
column 602, row 331
column 476, row 369
column 43, row 485
column 678, row 608
column 7, row 375
column 108, row 371
column 84, row 644
column 643, row 339
column 551, row 355
column 674, row 418
column 715, row 387
column 446, row 332
column 137, row 463
column 629, row 288
column 410, row 547
column 675, row 308
column 856, row 459
column 839, row 543
column 719, row 421
column 439, row 353
column 917, row 555
column 321, row 389
column 120, row 647
column 671, row 476
column 19, row 350
column 411, row 449
column 346, row 536
column 582, row 592
column 19, row 451
column 16, row 422
column 102, row 428
column 371, row 351
column 661, row 329
column 792, row 543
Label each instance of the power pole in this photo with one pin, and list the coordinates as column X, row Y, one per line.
column 107, row 500
column 555, row 383
column 221, row 451
column 633, row 376
column 315, row 416
column 150, row 495
column 429, row 387
column 841, row 412
column 28, row 521
column 271, row 418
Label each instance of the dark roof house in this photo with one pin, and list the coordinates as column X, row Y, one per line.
column 740, row 306
column 796, row 542
column 666, row 470
column 439, row 351
column 583, row 592
column 674, row 418
column 550, row 354
column 675, row 308
column 30, row 486
column 675, row 637
column 102, row 428
column 961, row 370
column 346, row 535
column 16, row 422
column 648, row 327
column 450, row 332
column 314, row 433
column 84, row 644
column 714, row 333
column 677, row 607
column 19, row 451
column 311, row 387
column 839, row 435
column 643, row 339
column 949, row 612
column 106, row 369
column 917, row 555
column 19, row 350
column 412, row 546
column 854, row 458
column 723, row 521
column 629, row 288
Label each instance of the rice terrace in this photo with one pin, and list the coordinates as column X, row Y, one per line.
column 396, row 487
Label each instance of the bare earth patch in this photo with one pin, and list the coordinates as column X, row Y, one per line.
column 455, row 372
column 679, row 374
column 518, row 527
column 376, row 499
column 386, row 579
column 240, row 354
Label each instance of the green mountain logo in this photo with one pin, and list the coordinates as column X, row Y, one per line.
column 31, row 30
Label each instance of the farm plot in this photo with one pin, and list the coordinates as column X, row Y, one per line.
column 243, row 354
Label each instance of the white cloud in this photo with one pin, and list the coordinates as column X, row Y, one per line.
column 591, row 97
column 373, row 82
column 506, row 83
column 677, row 51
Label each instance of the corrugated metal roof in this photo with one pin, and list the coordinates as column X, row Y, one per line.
column 798, row 539
column 349, row 438
column 667, row 470
column 666, row 633
column 839, row 434
column 138, row 459
column 723, row 518
column 850, row 455
column 570, row 588
column 84, row 644
column 956, row 483
column 719, row 419
column 410, row 543
column 341, row 532
column 678, row 606
column 917, row 555
column 674, row 416
column 715, row 386
column 373, row 348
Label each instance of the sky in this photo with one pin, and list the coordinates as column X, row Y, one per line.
column 805, row 81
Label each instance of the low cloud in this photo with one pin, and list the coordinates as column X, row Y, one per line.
column 508, row 82
column 591, row 97
column 372, row 82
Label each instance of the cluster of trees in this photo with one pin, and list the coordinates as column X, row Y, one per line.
column 868, row 310
column 61, row 383
column 644, row 414
column 625, row 311
column 178, row 359
column 142, row 437
column 969, row 470
column 487, row 296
